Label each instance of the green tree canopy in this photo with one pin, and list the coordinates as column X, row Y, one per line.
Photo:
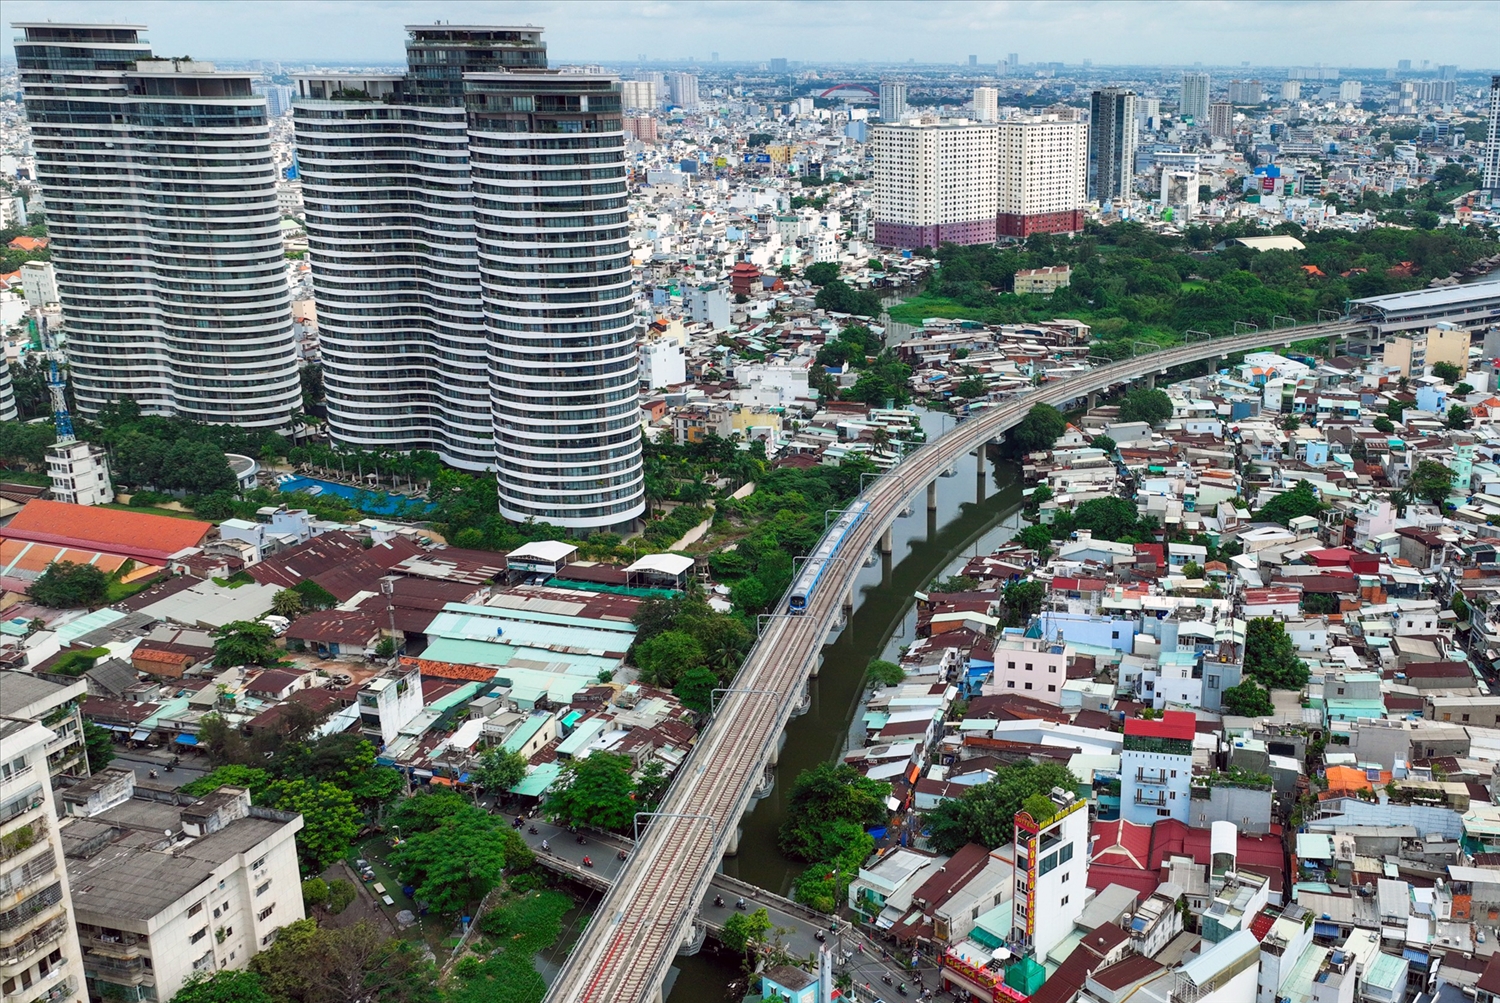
column 1146, row 404
column 1042, row 426
column 667, row 656
column 225, row 986
column 498, row 770
column 1432, row 481
column 312, row 964
column 287, row 603
column 1289, row 505
column 246, row 777
column 1105, row 443
column 1271, row 657
column 1384, row 424
column 65, row 585
column 985, row 814
column 100, row 746
column 821, row 273
column 1248, row 700
column 742, row 930
column 695, row 689
column 1023, row 600
column 1447, row 372
column 245, row 642
column 329, row 818
column 595, row 791
column 456, row 864
column 828, row 806
column 1458, row 417
column 885, row 673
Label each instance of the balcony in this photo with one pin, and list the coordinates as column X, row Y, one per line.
column 120, row 944
column 1156, row 777
column 54, row 994
column 34, row 941
column 1158, row 800
column 31, row 800
column 42, row 900
column 116, row 969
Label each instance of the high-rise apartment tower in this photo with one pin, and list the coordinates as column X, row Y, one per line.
column 986, row 104
column 1492, row 144
column 165, row 230
column 892, row 100
column 1195, row 97
column 1112, row 133
column 466, row 228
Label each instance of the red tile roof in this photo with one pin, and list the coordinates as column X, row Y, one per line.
column 1173, row 724
column 137, row 535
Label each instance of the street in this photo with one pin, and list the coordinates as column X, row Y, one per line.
column 865, row 966
column 143, row 761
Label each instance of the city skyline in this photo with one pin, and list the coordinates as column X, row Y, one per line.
column 1213, row 34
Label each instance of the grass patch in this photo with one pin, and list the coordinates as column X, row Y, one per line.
column 25, row 477
column 153, row 510
column 918, row 308
column 517, row 930
column 117, row 590
column 1192, row 285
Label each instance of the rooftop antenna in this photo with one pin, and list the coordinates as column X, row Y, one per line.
column 61, row 419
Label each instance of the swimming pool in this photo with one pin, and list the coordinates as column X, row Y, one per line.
column 373, row 502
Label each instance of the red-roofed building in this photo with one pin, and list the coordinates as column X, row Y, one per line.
column 140, row 536
column 1281, row 601
column 1172, row 724
column 1150, row 557
column 1118, row 849
column 1156, row 767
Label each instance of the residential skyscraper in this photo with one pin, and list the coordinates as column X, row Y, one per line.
column 683, row 90
column 1194, row 103
column 892, row 100
column 986, row 104
column 1221, row 119
column 468, row 247
column 1351, row 90
column 1111, row 144
column 1043, row 172
column 166, row 235
column 1492, row 144
column 1245, row 92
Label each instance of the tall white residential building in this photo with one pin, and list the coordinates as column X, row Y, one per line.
column 1291, row 90
column 79, row 472
column 892, row 100
column 1195, row 87
column 1112, row 135
column 39, row 954
column 935, row 182
column 39, row 283
column 638, row 93
column 683, row 90
column 467, row 234
column 1156, row 768
column 1043, row 175
column 388, row 703
column 1221, row 119
column 165, row 891
column 1492, row 144
column 1245, row 92
column 1351, row 90
column 8, row 409
column 160, row 188
column 986, row 104
column 1052, row 866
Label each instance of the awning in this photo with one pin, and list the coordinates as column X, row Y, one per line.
column 442, row 781
column 140, row 735
column 1325, row 930
column 422, row 773
column 119, row 729
column 1415, row 957
column 187, row 739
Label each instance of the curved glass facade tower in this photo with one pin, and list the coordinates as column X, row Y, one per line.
column 165, row 232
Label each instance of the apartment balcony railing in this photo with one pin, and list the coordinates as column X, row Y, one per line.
column 35, row 940
column 1151, row 800
column 1157, row 777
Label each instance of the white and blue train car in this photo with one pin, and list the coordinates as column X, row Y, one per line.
column 823, row 557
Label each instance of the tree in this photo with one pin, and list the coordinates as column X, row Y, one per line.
column 1460, row 607
column 838, row 297
column 1146, row 404
column 985, row 813
column 65, row 585
column 695, row 689
column 355, row 964
column 1038, row 538
column 500, row 770
column 651, row 785
column 245, row 642
column 1042, row 426
column 1432, row 481
column 1464, row 389
column 1271, row 657
column 1111, row 518
column 954, row 583
column 1458, row 417
column 1384, row 425
column 1290, row 423
column 458, row 863
column 1105, row 443
column 287, row 603
column 1248, row 700
column 99, row 746
column 664, row 658
column 226, row 986
column 885, row 673
column 1289, row 505
column 828, row 806
column 232, row 775
column 314, row 596
column 596, row 791
column 1447, row 372
column 821, row 273
column 1023, row 600
column 329, row 818
column 743, row 930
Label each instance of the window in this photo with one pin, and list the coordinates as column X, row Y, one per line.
column 1466, row 717
column 1064, row 900
column 1051, row 688
column 262, row 889
column 1010, row 684
column 1174, row 774
column 1028, row 666
column 266, row 911
column 1163, row 812
column 196, row 909
column 258, row 864
column 1010, row 665
column 1052, row 669
column 198, row 936
column 1028, row 686
column 221, row 886
column 1115, row 635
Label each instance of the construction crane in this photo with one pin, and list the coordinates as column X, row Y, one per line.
column 57, row 386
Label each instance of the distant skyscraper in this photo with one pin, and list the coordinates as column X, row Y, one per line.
column 638, row 93
column 778, row 65
column 892, row 100
column 1195, row 97
column 1403, row 66
column 1492, row 144
column 1221, row 119
column 986, row 104
column 973, row 60
column 1111, row 144
column 1244, row 92
column 1351, row 90
column 683, row 90
column 1291, row 90
column 490, row 323
column 160, row 190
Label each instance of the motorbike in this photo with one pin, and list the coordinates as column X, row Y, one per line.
column 169, row 768
column 820, row 935
column 152, row 774
column 740, row 905
column 886, row 979
column 532, row 830
column 901, row 989
column 621, row 854
column 587, row 862
column 546, row 848
column 719, row 901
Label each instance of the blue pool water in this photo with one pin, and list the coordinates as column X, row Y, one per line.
column 373, row 502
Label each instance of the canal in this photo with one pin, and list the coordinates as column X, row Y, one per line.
column 926, row 546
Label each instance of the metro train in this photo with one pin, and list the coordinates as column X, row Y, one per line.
column 812, row 571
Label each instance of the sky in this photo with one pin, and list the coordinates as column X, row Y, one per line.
column 1366, row 33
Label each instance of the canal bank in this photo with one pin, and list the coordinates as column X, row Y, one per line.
column 927, row 545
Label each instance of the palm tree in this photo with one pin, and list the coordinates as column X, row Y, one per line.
column 287, row 603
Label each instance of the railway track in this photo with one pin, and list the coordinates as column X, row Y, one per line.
column 624, row 953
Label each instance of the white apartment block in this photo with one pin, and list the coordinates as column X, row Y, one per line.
column 8, row 409
column 40, row 959
column 1030, row 667
column 1052, row 860
column 986, row 104
column 79, row 472
column 388, row 703
column 1043, row 175
column 39, row 283
column 164, row 891
column 27, row 697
